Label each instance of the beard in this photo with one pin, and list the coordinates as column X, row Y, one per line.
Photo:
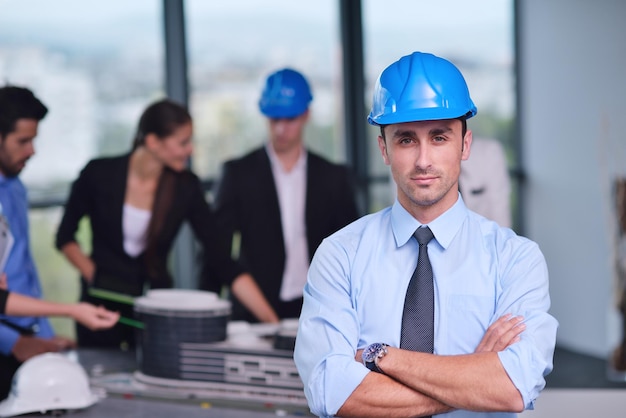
column 424, row 196
column 10, row 170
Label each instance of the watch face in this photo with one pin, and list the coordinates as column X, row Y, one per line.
column 371, row 352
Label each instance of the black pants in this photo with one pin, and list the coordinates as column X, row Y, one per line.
column 289, row 309
column 8, row 366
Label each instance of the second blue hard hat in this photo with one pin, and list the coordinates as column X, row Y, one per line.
column 286, row 94
column 418, row 87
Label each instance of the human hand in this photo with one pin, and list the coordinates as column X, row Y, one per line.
column 94, row 317
column 63, row 343
column 27, row 347
column 3, row 281
column 502, row 334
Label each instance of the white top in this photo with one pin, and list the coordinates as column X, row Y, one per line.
column 135, row 228
column 291, row 189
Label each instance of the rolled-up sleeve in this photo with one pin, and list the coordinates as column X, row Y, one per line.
column 328, row 334
column 525, row 292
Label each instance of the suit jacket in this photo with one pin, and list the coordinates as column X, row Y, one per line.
column 99, row 194
column 246, row 201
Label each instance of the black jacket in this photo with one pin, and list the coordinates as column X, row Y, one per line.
column 246, row 201
column 99, row 193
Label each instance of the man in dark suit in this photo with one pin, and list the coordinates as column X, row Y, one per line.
column 281, row 200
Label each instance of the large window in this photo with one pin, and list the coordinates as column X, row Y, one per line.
column 98, row 64
column 95, row 65
column 233, row 46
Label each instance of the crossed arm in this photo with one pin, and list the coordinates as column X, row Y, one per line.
column 416, row 384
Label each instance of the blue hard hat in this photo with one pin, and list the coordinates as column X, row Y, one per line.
column 418, row 87
column 286, row 94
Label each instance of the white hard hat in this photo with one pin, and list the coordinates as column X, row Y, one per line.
column 48, row 382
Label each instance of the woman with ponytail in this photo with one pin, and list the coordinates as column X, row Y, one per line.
column 136, row 204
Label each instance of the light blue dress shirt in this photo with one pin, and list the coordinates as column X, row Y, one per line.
column 358, row 279
column 20, row 268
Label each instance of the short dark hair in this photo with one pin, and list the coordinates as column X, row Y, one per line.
column 18, row 103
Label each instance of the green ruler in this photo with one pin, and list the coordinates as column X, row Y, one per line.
column 112, row 296
column 120, row 298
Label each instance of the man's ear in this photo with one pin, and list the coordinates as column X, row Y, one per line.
column 307, row 115
column 382, row 146
column 467, row 145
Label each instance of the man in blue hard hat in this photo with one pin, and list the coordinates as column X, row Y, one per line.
column 453, row 322
column 282, row 199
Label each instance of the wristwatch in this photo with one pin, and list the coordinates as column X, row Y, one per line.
column 372, row 353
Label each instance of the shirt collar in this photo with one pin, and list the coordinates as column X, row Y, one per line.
column 300, row 164
column 445, row 227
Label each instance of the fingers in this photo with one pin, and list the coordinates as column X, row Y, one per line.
column 41, row 345
column 103, row 318
column 502, row 333
column 28, row 347
column 508, row 333
column 107, row 315
column 95, row 317
column 107, row 318
column 3, row 281
column 62, row 343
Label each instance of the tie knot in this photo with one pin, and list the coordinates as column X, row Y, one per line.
column 423, row 235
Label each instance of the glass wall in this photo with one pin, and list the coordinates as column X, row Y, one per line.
column 95, row 65
column 233, row 46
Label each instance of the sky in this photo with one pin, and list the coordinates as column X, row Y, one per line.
column 402, row 20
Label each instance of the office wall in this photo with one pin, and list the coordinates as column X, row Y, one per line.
column 572, row 116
